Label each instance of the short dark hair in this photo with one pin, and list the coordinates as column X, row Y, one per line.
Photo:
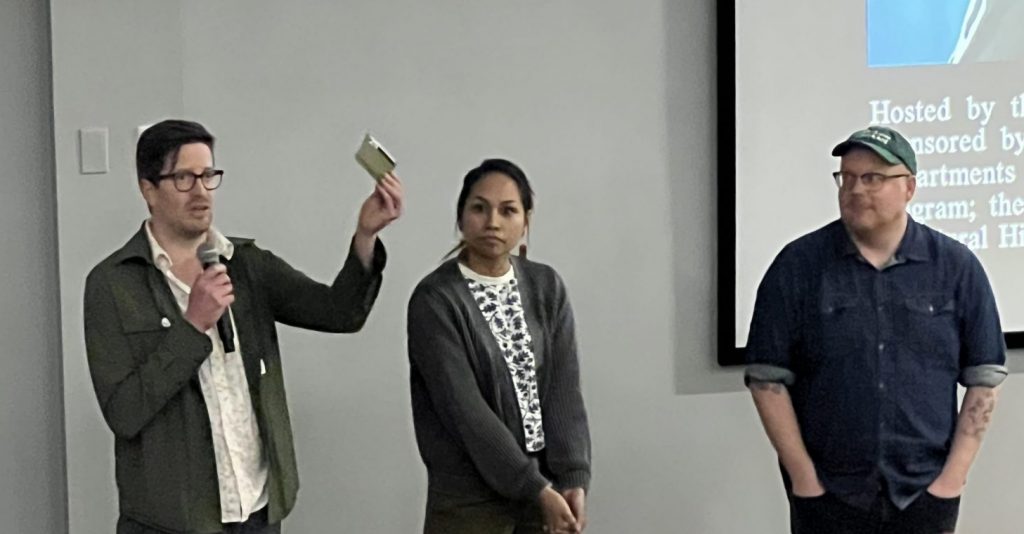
column 159, row 144
column 495, row 165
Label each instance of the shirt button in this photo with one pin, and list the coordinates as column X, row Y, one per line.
column 881, row 385
column 880, row 307
column 881, row 347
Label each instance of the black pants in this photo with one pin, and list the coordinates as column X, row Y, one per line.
column 256, row 524
column 830, row 515
column 450, row 514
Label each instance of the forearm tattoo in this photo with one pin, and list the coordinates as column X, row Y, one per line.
column 978, row 414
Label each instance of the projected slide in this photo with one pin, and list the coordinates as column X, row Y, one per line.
column 949, row 74
column 903, row 33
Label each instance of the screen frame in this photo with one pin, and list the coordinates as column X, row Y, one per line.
column 729, row 354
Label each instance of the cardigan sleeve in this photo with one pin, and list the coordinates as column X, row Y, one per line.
column 566, row 430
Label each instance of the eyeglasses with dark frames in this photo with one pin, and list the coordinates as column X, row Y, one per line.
column 185, row 180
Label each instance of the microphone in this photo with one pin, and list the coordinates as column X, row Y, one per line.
column 208, row 256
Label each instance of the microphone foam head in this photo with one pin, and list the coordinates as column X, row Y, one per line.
column 207, row 254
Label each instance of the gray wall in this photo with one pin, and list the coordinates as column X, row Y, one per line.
column 608, row 105
column 32, row 496
column 116, row 64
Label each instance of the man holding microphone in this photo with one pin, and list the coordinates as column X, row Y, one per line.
column 203, row 438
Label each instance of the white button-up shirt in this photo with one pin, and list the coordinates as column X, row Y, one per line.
column 241, row 465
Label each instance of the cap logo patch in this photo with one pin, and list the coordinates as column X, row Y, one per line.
column 882, row 137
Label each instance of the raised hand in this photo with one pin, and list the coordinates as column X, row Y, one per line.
column 382, row 207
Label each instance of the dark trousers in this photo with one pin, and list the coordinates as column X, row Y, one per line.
column 830, row 515
column 451, row 514
column 256, row 524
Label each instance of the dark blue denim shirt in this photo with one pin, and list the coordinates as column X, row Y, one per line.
column 872, row 357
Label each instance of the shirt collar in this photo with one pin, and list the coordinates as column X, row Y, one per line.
column 489, row 280
column 162, row 259
column 913, row 245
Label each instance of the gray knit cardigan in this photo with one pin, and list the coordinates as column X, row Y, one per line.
column 468, row 426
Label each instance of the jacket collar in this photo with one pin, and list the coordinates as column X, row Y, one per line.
column 137, row 248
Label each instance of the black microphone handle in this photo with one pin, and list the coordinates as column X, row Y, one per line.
column 226, row 333
column 209, row 257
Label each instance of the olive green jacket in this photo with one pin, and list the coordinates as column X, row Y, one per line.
column 144, row 357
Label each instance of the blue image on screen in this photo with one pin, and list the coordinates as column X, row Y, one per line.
column 913, row 32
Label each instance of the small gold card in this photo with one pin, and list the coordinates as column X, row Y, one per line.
column 374, row 158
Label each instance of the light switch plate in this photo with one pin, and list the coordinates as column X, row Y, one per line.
column 92, row 151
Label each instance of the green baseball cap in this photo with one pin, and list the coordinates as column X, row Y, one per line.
column 889, row 144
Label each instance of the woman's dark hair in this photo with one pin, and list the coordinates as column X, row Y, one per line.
column 159, row 144
column 489, row 166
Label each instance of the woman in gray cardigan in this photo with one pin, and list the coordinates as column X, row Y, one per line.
column 496, row 399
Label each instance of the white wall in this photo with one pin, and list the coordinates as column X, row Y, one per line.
column 610, row 108
column 32, row 497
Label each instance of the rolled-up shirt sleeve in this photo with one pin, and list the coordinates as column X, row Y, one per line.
column 759, row 372
column 986, row 375
column 774, row 328
column 982, row 346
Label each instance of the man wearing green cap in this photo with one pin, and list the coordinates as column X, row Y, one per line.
column 861, row 331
